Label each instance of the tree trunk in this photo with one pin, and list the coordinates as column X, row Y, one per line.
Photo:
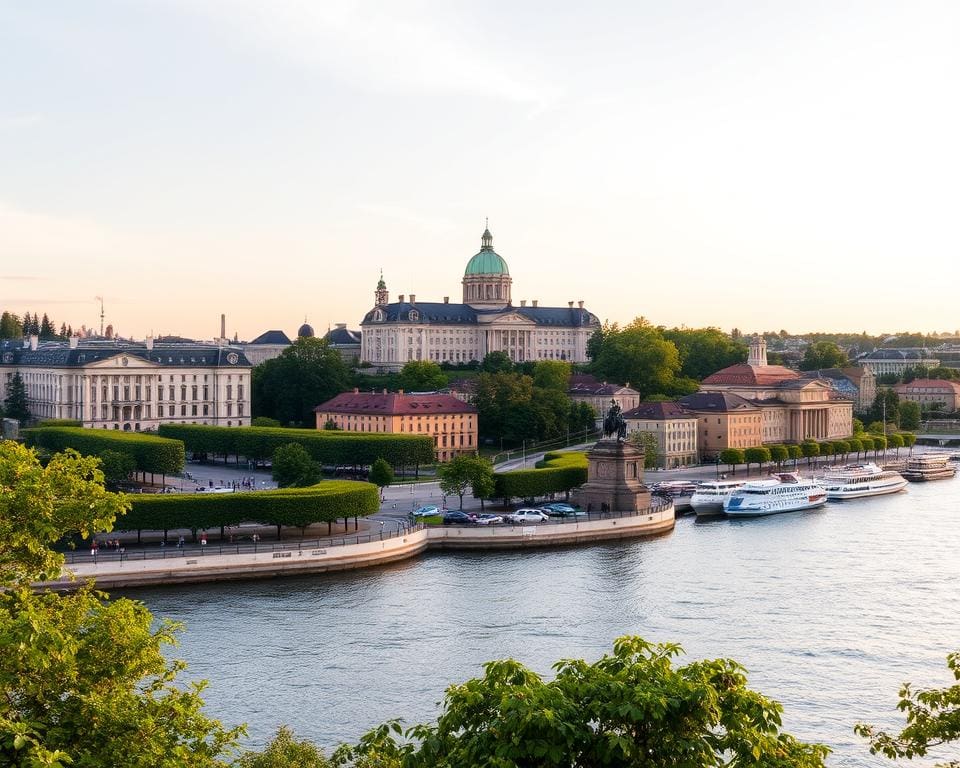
column 138, row 537
column 278, row 533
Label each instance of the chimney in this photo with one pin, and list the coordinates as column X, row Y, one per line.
column 534, row 302
column 570, row 304
column 413, row 298
column 223, row 326
column 401, row 298
column 523, row 302
column 73, row 342
column 149, row 343
column 446, row 299
column 580, row 304
column 34, row 340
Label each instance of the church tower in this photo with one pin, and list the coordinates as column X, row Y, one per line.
column 381, row 295
column 758, row 352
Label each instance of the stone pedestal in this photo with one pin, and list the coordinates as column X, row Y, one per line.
column 614, row 479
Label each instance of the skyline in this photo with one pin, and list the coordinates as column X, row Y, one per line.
column 745, row 166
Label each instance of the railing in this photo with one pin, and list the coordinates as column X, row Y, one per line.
column 311, row 545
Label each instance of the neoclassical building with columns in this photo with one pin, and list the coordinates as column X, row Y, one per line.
column 487, row 320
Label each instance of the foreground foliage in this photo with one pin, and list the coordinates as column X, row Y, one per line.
column 933, row 719
column 149, row 453
column 84, row 680
column 631, row 708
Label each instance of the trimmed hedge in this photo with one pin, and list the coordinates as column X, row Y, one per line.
column 557, row 473
column 322, row 503
column 157, row 455
column 331, row 448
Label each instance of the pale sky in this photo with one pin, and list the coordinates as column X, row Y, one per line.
column 762, row 165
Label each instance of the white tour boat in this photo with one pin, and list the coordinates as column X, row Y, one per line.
column 678, row 491
column 929, row 466
column 855, row 480
column 709, row 496
column 784, row 492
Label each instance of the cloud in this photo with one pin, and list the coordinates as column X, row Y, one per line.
column 383, row 45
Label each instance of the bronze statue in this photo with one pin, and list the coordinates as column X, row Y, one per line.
column 613, row 422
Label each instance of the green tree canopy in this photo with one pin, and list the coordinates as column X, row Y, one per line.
column 89, row 684
column 421, row 376
column 779, row 453
column 646, row 442
column 10, row 326
column 293, row 467
column 381, row 473
column 462, row 472
column 307, row 373
column 631, row 708
column 909, row 413
column 823, row 354
column 705, row 350
column 496, row 362
column 15, row 404
column 552, row 374
column 638, row 354
column 933, row 720
column 732, row 457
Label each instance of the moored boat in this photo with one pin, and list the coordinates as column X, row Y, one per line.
column 678, row 491
column 709, row 496
column 929, row 466
column 784, row 492
column 853, row 481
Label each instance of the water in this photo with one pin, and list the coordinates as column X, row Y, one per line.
column 830, row 611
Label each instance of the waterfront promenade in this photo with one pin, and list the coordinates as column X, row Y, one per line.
column 173, row 566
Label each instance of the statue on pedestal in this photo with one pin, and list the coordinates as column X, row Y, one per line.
column 614, row 423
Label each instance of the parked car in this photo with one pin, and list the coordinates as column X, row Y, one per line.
column 488, row 519
column 428, row 510
column 559, row 509
column 458, row 518
column 526, row 515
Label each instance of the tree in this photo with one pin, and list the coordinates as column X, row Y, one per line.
column 10, row 326
column 909, row 412
column 459, row 473
column 855, row 445
column 758, row 455
column 496, row 362
column 731, row 457
column 933, row 719
column 552, row 374
column 895, row 440
column 886, row 405
column 265, row 421
column 705, row 350
column 779, row 454
column 582, row 417
column 857, row 426
column 482, row 484
column 796, row 453
column 285, row 751
column 89, row 684
column 48, row 330
column 15, row 404
column 823, row 354
column 307, row 373
column 646, row 442
column 631, row 708
column 909, row 440
column 294, row 468
column 640, row 355
column 381, row 474
column 422, row 376
column 810, row 450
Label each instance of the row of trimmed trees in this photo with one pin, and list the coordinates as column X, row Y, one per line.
column 812, row 449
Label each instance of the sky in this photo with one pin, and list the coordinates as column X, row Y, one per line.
column 755, row 165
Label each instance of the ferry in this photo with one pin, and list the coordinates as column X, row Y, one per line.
column 929, row 466
column 678, row 491
column 709, row 496
column 854, row 481
column 784, row 492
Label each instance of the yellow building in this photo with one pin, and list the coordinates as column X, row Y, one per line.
column 451, row 423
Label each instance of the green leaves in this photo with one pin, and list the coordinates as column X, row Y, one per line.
column 559, row 472
column 150, row 453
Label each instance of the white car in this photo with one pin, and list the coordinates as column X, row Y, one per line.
column 488, row 519
column 527, row 516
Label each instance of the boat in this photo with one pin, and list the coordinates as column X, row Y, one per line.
column 678, row 491
column 853, row 481
column 929, row 466
column 783, row 492
column 709, row 496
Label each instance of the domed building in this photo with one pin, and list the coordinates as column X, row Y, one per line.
column 305, row 331
column 486, row 321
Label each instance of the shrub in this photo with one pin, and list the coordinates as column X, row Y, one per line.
column 557, row 473
column 152, row 454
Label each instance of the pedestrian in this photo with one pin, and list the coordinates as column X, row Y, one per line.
column 180, row 543
column 203, row 540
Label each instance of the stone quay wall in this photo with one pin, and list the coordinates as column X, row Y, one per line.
column 303, row 560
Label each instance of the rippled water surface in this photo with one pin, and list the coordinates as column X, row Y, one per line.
column 829, row 611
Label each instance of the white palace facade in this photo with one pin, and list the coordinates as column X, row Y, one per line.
column 130, row 386
column 487, row 321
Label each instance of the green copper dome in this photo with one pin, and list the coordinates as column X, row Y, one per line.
column 488, row 261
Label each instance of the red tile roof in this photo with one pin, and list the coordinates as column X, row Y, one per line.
column 394, row 404
column 659, row 411
column 941, row 384
column 745, row 375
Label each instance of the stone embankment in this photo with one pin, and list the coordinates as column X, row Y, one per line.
column 297, row 559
